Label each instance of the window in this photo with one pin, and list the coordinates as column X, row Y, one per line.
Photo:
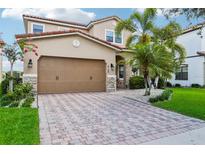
column 109, row 36
column 113, row 37
column 182, row 73
column 38, row 28
column 121, row 71
column 118, row 38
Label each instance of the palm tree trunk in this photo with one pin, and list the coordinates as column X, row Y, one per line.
column 150, row 85
column 146, row 81
column 156, row 81
column 11, row 80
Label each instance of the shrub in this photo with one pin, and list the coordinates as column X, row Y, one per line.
column 7, row 99
column 28, row 101
column 5, row 84
column 136, row 82
column 14, row 104
column 177, row 85
column 22, row 91
column 195, row 85
column 164, row 96
column 169, row 84
column 160, row 83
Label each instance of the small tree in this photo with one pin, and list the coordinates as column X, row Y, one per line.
column 12, row 53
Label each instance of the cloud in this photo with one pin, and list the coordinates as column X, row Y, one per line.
column 74, row 15
column 18, row 65
column 141, row 10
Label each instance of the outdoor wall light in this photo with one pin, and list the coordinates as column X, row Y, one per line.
column 112, row 67
column 30, row 63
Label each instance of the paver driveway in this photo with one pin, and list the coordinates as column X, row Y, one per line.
column 103, row 118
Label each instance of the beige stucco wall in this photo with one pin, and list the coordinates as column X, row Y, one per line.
column 62, row 47
column 99, row 29
column 49, row 27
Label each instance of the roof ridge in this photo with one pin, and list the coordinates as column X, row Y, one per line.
column 70, row 22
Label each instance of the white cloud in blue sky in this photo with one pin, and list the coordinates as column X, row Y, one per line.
column 75, row 15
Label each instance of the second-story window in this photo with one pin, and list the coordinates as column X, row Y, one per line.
column 38, row 28
column 109, row 36
column 118, row 38
column 113, row 37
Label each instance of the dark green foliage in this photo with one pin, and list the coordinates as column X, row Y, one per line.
column 5, row 84
column 160, row 83
column 7, row 99
column 136, row 82
column 21, row 92
column 28, row 101
column 164, row 96
column 195, row 85
column 14, row 104
column 169, row 84
column 177, row 85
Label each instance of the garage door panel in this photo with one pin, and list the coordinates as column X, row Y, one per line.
column 60, row 75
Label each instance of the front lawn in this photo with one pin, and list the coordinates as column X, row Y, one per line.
column 187, row 101
column 19, row 126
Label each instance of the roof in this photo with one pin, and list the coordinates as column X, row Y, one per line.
column 193, row 28
column 64, row 33
column 73, row 23
column 2, row 42
column 201, row 53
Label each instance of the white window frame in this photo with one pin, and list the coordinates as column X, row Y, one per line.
column 113, row 36
column 35, row 23
column 60, row 28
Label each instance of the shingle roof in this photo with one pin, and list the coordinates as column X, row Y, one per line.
column 32, row 35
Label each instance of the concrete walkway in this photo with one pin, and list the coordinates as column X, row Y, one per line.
column 194, row 137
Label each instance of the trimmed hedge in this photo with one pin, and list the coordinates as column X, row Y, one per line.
column 136, row 82
column 195, row 85
column 164, row 96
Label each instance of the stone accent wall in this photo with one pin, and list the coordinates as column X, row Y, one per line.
column 31, row 78
column 111, row 83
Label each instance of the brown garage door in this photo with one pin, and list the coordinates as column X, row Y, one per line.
column 61, row 75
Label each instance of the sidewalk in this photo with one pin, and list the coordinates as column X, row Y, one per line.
column 193, row 137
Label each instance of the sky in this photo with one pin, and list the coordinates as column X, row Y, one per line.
column 11, row 22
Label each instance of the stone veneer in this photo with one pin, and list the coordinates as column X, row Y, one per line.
column 32, row 79
column 111, row 83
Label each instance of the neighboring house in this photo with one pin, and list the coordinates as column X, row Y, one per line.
column 193, row 69
column 73, row 57
column 1, row 47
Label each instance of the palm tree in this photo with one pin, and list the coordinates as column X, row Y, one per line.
column 141, row 24
column 148, row 57
column 167, row 36
column 12, row 53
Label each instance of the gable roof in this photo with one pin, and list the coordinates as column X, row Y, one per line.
column 66, row 33
column 68, row 23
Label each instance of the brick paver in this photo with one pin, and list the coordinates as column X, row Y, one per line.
column 103, row 118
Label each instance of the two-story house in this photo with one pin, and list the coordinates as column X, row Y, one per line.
column 193, row 69
column 73, row 57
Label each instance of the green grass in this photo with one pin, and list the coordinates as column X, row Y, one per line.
column 19, row 126
column 187, row 101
